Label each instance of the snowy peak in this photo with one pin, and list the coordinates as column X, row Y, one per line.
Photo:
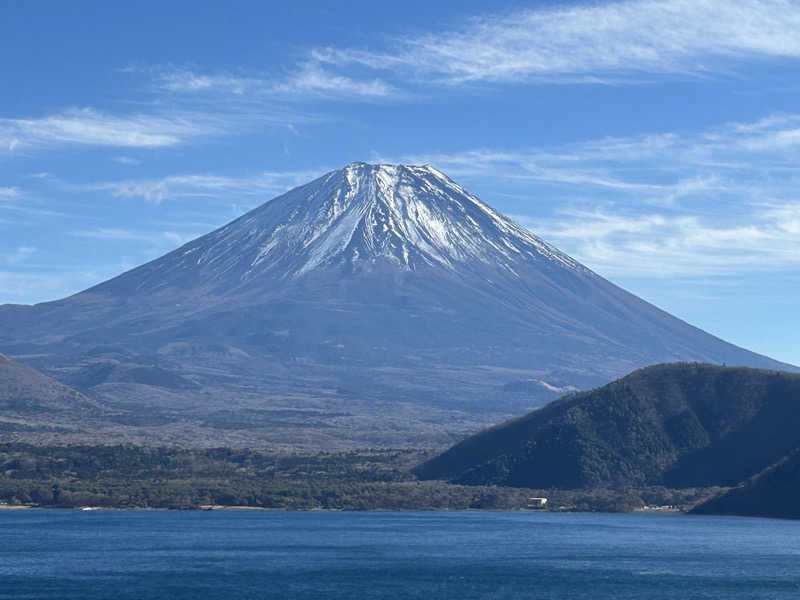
column 410, row 217
column 359, row 219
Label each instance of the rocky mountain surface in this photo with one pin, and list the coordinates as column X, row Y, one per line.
column 24, row 390
column 34, row 403
column 376, row 304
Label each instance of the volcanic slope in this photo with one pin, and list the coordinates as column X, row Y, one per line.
column 32, row 403
column 374, row 289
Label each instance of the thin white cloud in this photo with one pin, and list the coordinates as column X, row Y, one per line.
column 591, row 42
column 662, row 246
column 308, row 80
column 712, row 202
column 89, row 127
column 263, row 185
column 779, row 140
column 188, row 80
column 18, row 255
column 119, row 234
column 14, row 201
column 670, row 162
column 127, row 160
column 786, row 217
column 9, row 192
column 313, row 78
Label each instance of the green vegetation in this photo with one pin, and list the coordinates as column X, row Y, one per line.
column 775, row 492
column 679, row 425
column 669, row 435
column 141, row 477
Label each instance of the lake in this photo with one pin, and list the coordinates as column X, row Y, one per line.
column 326, row 555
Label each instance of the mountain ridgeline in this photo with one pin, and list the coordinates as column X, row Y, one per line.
column 677, row 425
column 386, row 300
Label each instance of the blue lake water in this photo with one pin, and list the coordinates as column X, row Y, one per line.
column 327, row 555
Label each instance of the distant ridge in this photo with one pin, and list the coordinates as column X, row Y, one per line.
column 25, row 393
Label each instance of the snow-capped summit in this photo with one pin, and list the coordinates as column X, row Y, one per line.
column 363, row 217
column 410, row 216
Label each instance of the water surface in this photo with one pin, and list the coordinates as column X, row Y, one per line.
column 327, row 555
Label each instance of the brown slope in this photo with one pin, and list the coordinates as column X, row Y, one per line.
column 25, row 392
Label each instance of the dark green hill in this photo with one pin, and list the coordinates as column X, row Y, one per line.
column 679, row 425
column 775, row 492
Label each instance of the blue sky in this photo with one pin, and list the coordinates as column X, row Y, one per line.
column 655, row 141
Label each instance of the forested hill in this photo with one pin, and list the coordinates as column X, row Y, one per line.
column 773, row 493
column 677, row 425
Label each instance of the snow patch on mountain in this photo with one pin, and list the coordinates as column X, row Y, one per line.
column 409, row 216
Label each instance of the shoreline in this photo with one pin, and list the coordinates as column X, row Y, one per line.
column 237, row 508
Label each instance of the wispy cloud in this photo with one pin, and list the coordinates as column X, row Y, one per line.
column 183, row 79
column 702, row 161
column 127, row 160
column 787, row 217
column 10, row 200
column 590, row 42
column 168, row 127
column 313, row 78
column 9, row 192
column 17, row 202
column 262, row 185
column 664, row 246
column 119, row 234
column 18, row 255
column 308, row 80
column 715, row 202
column 90, row 127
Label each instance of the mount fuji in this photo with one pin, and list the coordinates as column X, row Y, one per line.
column 376, row 304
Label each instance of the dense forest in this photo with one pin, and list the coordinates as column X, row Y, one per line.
column 775, row 492
column 678, row 425
column 669, row 435
column 141, row 477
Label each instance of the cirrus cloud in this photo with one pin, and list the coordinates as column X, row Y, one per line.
column 603, row 42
